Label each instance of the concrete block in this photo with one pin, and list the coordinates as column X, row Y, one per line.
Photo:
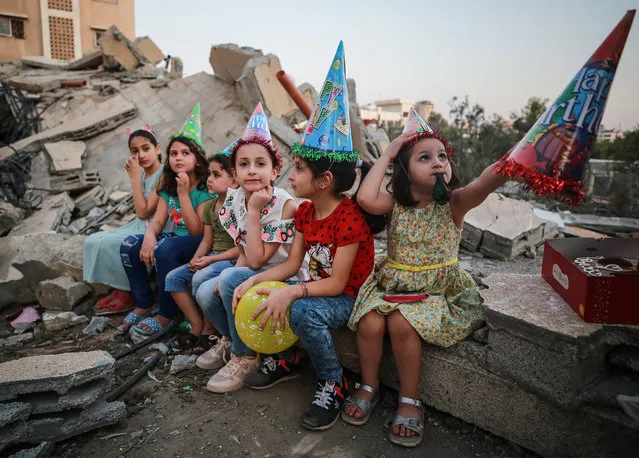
column 118, row 50
column 72, row 423
column 78, row 397
column 10, row 216
column 66, row 156
column 12, row 412
column 62, row 293
column 537, row 340
column 40, row 451
column 453, row 384
column 45, row 256
column 471, row 237
column 59, row 373
column 57, row 321
column 47, row 82
column 91, row 59
column 228, row 60
column 258, row 83
column 118, row 196
column 79, row 181
column 55, row 211
column 16, row 340
column 149, row 50
column 104, row 116
column 509, row 226
column 14, row 289
column 90, row 199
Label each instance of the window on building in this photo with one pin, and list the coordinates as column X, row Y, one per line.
column 97, row 35
column 11, row 27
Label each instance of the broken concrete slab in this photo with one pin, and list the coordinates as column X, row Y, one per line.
column 90, row 199
column 228, row 60
column 258, row 83
column 10, row 216
column 55, row 211
column 118, row 196
column 59, row 373
column 57, row 321
column 502, row 228
column 44, row 256
column 47, row 81
column 91, row 59
column 80, row 181
column 66, row 156
column 44, row 62
column 105, row 116
column 77, row 398
column 15, row 433
column 40, row 451
column 16, row 340
column 12, row 412
column 75, row 422
column 62, row 293
column 14, row 289
column 149, row 50
column 118, row 50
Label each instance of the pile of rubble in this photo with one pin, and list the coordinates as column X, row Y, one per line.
column 46, row 399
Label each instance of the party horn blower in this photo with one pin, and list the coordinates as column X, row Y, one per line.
column 551, row 159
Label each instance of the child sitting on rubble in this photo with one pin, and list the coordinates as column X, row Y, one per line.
column 183, row 197
column 259, row 217
column 418, row 291
column 217, row 251
column 101, row 251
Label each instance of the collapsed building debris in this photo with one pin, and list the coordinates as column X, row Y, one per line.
column 54, row 397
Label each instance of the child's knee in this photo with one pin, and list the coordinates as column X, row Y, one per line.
column 372, row 325
column 399, row 326
column 130, row 243
column 162, row 250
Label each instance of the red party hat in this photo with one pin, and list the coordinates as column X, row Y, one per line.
column 552, row 157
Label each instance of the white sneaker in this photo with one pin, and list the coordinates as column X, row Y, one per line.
column 216, row 356
column 231, row 377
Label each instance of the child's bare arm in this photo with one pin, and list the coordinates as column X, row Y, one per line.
column 257, row 251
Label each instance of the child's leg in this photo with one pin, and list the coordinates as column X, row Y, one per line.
column 210, row 271
column 211, row 305
column 407, row 351
column 178, row 284
column 229, row 280
column 370, row 344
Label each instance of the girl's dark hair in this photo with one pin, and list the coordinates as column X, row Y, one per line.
column 344, row 175
column 167, row 181
column 399, row 186
column 224, row 161
column 150, row 136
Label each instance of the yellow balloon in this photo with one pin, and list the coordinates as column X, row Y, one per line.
column 249, row 331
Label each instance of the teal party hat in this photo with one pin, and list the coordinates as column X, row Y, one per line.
column 328, row 132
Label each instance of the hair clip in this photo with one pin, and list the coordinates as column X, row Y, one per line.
column 358, row 164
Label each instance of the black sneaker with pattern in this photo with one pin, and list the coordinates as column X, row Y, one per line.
column 273, row 371
column 325, row 409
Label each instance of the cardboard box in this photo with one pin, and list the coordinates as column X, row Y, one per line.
column 598, row 278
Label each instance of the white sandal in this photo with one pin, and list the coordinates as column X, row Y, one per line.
column 415, row 424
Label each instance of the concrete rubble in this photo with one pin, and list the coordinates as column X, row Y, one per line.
column 504, row 228
column 66, row 156
column 62, row 293
column 57, row 321
column 51, row 398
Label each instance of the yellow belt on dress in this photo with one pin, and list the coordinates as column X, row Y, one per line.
column 397, row 265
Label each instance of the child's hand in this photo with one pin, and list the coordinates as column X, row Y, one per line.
column 133, row 168
column 396, row 145
column 183, row 183
column 278, row 302
column 259, row 199
column 148, row 249
column 240, row 290
column 200, row 262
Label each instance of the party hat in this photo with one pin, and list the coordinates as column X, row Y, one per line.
column 328, row 132
column 257, row 131
column 192, row 127
column 415, row 123
column 551, row 158
column 229, row 149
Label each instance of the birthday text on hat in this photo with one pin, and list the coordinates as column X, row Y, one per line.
column 591, row 85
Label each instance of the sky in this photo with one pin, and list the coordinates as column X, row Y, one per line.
column 499, row 53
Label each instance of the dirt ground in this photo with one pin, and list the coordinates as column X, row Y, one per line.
column 177, row 417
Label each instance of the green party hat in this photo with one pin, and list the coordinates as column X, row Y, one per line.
column 192, row 127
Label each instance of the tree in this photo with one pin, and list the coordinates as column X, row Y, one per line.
column 528, row 116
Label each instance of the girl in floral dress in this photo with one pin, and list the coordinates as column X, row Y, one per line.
column 426, row 206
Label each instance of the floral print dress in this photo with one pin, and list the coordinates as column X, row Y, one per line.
column 424, row 237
